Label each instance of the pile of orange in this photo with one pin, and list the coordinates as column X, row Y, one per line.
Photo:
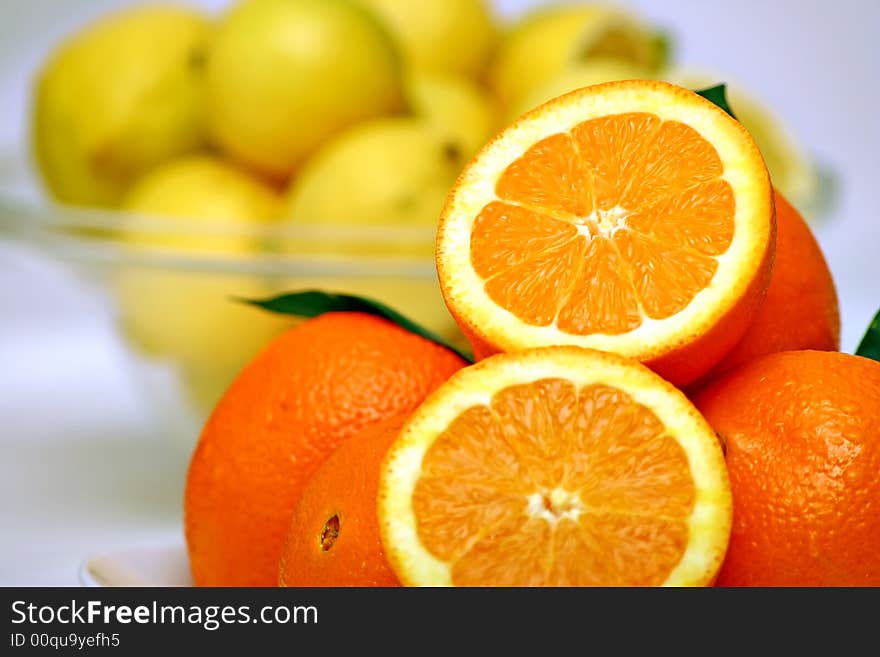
column 606, row 251
column 306, row 393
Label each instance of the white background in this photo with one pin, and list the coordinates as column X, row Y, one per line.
column 81, row 465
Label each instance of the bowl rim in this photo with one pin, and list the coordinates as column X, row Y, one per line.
column 119, row 238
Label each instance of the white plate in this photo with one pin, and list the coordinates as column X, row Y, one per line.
column 155, row 565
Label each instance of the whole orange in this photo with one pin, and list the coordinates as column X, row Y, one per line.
column 285, row 413
column 333, row 538
column 802, row 430
column 800, row 310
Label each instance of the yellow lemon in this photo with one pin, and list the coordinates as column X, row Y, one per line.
column 202, row 190
column 391, row 171
column 188, row 315
column 575, row 76
column 284, row 75
column 117, row 98
column 546, row 41
column 443, row 36
column 454, row 105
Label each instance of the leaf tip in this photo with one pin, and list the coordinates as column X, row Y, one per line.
column 717, row 94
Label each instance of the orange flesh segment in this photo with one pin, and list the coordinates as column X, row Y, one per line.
column 619, row 219
column 555, row 486
column 554, row 158
column 603, row 299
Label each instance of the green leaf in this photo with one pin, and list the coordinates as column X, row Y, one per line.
column 717, row 95
column 870, row 345
column 311, row 303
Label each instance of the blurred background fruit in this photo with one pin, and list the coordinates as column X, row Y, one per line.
column 393, row 171
column 189, row 318
column 339, row 119
column 574, row 76
column 460, row 109
column 283, row 75
column 200, row 189
column 441, row 36
column 544, row 42
column 359, row 113
column 109, row 102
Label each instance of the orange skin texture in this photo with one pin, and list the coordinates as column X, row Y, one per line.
column 800, row 311
column 802, row 430
column 309, row 390
column 346, row 486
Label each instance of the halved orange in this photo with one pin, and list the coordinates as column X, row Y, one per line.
column 634, row 217
column 555, row 466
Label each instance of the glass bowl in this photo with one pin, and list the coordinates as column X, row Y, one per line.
column 174, row 286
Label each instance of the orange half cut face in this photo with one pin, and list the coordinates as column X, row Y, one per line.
column 632, row 217
column 555, row 467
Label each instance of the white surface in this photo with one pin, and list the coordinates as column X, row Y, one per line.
column 81, row 466
column 156, row 564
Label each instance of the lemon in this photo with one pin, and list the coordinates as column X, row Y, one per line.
column 202, row 189
column 546, row 41
column 387, row 174
column 189, row 317
column 575, row 76
column 791, row 169
column 390, row 171
column 116, row 99
column 454, row 105
column 442, row 36
column 284, row 75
